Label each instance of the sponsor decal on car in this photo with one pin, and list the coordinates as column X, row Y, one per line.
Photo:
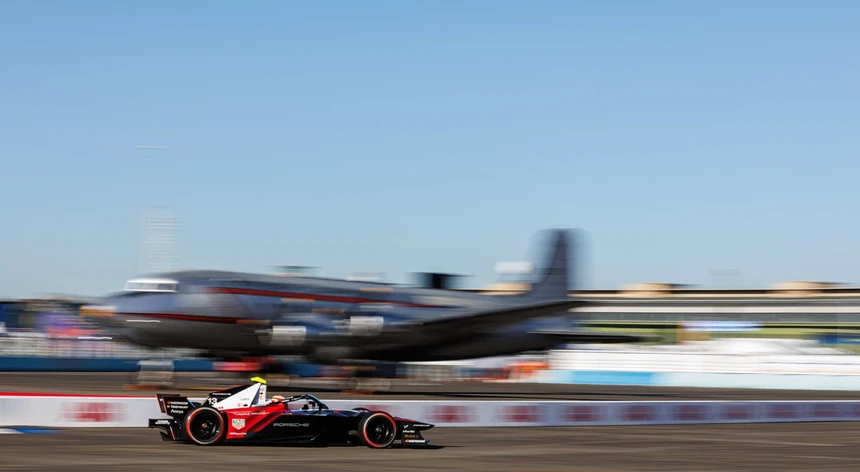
column 238, row 423
column 249, row 413
column 411, row 436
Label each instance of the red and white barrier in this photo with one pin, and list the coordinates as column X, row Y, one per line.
column 49, row 410
column 77, row 411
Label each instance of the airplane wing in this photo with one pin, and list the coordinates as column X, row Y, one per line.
column 498, row 317
column 596, row 338
column 465, row 324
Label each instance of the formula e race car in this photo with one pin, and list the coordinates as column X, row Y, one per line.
column 242, row 414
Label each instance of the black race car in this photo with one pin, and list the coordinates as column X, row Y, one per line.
column 242, row 414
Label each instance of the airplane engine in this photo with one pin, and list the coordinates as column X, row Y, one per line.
column 295, row 334
column 370, row 321
column 284, row 335
column 363, row 325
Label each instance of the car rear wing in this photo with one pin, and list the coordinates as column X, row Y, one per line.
column 174, row 405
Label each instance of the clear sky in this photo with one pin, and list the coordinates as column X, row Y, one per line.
column 391, row 136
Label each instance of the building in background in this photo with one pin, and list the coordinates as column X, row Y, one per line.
column 160, row 252
column 11, row 312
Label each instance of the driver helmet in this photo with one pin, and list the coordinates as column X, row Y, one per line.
column 277, row 399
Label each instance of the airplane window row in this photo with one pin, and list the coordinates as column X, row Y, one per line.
column 151, row 286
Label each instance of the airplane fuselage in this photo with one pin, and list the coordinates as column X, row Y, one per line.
column 322, row 319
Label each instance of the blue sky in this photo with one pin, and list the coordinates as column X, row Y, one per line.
column 388, row 136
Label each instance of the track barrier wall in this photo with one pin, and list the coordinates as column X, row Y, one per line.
column 59, row 411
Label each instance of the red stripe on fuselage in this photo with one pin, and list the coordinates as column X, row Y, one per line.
column 181, row 317
column 269, row 293
column 316, row 297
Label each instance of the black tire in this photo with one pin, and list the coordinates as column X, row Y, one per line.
column 205, row 426
column 356, row 440
column 377, row 430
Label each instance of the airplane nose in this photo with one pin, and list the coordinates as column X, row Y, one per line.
column 97, row 310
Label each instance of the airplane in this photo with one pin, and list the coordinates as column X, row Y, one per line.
column 229, row 315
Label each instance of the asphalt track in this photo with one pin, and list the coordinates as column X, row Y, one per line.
column 197, row 385
column 726, row 448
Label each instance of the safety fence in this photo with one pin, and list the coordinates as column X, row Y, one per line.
column 49, row 410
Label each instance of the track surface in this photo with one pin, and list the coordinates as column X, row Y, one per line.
column 763, row 447
column 113, row 383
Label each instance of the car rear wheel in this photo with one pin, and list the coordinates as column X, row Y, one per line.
column 205, row 426
column 377, row 430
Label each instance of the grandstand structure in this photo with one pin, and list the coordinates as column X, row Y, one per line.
column 796, row 302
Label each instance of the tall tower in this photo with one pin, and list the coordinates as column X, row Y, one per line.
column 160, row 241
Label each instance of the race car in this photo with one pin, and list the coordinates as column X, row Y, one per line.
column 242, row 413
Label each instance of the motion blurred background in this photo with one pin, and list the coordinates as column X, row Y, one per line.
column 774, row 333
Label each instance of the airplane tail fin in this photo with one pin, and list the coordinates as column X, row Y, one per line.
column 555, row 276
